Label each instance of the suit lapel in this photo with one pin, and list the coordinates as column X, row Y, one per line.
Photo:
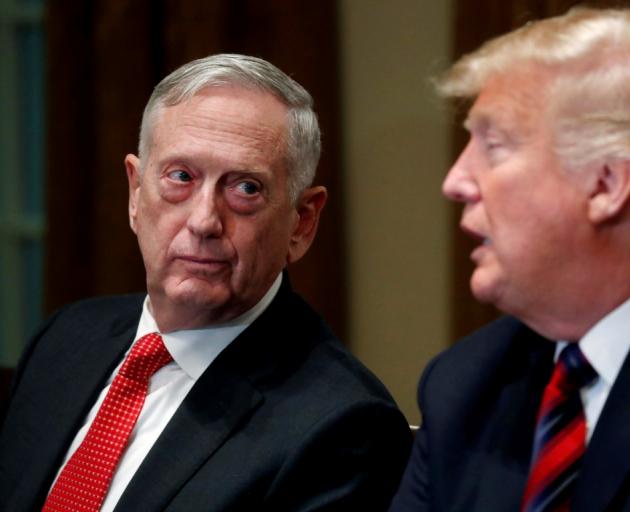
column 504, row 464
column 216, row 407
column 88, row 363
column 606, row 464
column 213, row 409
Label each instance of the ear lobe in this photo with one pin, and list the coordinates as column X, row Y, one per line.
column 308, row 210
column 132, row 165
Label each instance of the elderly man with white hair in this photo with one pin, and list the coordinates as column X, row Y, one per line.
column 219, row 389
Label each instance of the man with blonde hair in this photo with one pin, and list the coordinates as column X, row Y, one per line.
column 532, row 411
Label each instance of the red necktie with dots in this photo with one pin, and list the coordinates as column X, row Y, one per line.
column 559, row 442
column 84, row 481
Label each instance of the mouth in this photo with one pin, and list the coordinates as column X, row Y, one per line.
column 197, row 259
column 483, row 242
column 475, row 235
column 200, row 262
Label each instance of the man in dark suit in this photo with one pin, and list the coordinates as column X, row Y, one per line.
column 532, row 411
column 233, row 394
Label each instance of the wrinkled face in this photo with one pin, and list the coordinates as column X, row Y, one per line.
column 210, row 206
column 520, row 203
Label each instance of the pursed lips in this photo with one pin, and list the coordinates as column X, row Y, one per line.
column 207, row 262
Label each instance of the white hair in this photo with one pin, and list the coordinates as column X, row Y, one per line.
column 303, row 144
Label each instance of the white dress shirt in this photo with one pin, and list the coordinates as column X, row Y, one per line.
column 605, row 346
column 193, row 351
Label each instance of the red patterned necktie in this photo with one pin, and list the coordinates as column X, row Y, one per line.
column 559, row 442
column 84, row 481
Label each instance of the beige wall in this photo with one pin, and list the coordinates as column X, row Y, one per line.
column 395, row 156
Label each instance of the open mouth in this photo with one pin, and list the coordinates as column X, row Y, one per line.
column 475, row 235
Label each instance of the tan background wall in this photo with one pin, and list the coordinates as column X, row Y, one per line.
column 394, row 158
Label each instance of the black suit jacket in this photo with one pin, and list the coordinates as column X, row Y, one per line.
column 284, row 419
column 479, row 402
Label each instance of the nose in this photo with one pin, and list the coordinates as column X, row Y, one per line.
column 459, row 184
column 205, row 219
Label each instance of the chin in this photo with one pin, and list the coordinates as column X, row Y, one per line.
column 484, row 288
column 195, row 292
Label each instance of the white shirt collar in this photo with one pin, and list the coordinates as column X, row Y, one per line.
column 607, row 343
column 193, row 350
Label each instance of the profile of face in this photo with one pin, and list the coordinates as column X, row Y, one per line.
column 523, row 207
column 211, row 209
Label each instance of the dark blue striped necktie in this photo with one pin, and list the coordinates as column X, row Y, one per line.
column 559, row 442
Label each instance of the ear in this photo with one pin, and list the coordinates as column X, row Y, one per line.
column 308, row 209
column 132, row 164
column 610, row 191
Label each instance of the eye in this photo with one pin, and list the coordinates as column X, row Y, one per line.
column 493, row 143
column 245, row 195
column 497, row 149
column 248, row 187
column 180, row 175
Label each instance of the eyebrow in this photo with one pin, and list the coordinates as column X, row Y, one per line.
column 479, row 121
column 484, row 121
column 467, row 124
column 200, row 161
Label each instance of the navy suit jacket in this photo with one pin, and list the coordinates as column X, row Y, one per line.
column 285, row 419
column 479, row 402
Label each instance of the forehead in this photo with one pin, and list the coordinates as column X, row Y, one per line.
column 226, row 120
column 515, row 100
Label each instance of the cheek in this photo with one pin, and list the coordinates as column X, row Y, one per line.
column 510, row 206
column 530, row 239
column 261, row 244
column 158, row 228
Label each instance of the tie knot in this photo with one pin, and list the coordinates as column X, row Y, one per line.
column 147, row 356
column 574, row 370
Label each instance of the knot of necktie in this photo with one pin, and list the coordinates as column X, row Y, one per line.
column 146, row 357
column 575, row 371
